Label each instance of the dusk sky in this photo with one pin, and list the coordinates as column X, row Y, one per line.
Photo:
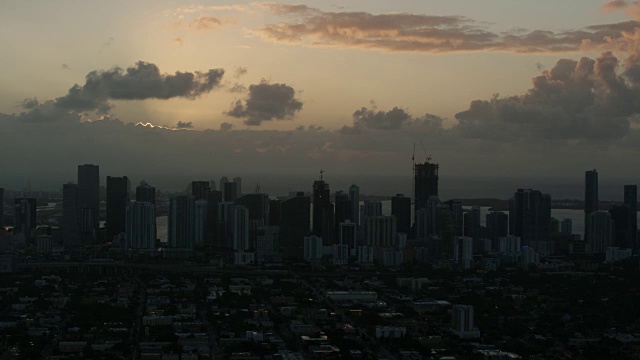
column 492, row 88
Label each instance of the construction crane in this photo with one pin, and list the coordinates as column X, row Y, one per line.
column 428, row 156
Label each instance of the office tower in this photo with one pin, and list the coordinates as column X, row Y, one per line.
column 225, row 225
column 620, row 230
column 422, row 224
column 238, row 181
column 201, row 220
column 241, row 228
column 199, row 189
column 370, row 208
column 117, row 201
column 555, row 225
column 258, row 206
column 566, row 226
column 89, row 196
column 354, row 197
column 425, row 183
column 1, row 207
column 347, row 234
column 230, row 191
column 312, row 248
column 25, row 216
column 590, row 199
column 497, row 224
column 631, row 200
column 322, row 211
column 472, row 222
column 445, row 231
column 462, row 322
column 379, row 230
column 463, row 253
column 141, row 228
column 223, row 181
column 182, row 222
column 70, row 217
column 401, row 209
column 275, row 217
column 212, row 185
column 530, row 214
column 431, row 215
column 343, row 207
column 600, row 228
column 215, row 236
column 145, row 193
column 295, row 223
column 458, row 218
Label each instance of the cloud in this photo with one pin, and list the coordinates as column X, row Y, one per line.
column 575, row 100
column 406, row 32
column 225, row 126
column 237, row 88
column 65, row 67
column 239, row 72
column 394, row 119
column 29, row 103
column 139, row 82
column 205, row 23
column 266, row 102
column 184, row 125
column 178, row 41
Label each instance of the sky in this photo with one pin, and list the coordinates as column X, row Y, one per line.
column 493, row 88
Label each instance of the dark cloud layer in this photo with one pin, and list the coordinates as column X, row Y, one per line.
column 266, row 102
column 184, row 125
column 407, row 32
column 394, row 119
column 584, row 99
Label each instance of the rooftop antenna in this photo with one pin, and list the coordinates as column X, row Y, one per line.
column 428, row 156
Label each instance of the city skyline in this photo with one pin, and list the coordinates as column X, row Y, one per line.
column 262, row 86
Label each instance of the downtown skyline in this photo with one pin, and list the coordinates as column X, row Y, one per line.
column 280, row 88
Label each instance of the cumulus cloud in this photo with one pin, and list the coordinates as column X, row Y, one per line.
column 394, row 119
column 266, row 102
column 184, row 125
column 406, row 32
column 206, row 22
column 631, row 8
column 225, row 126
column 141, row 81
column 240, row 71
column 584, row 99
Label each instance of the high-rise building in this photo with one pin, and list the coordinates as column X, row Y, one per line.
column 343, row 207
column 212, row 185
column 295, row 223
column 590, row 198
column 258, row 206
column 182, row 222
column 379, row 230
column 241, row 228
column 631, row 200
column 566, row 226
column 472, row 222
column 463, row 253
column 25, row 216
column 145, row 193
column 600, row 231
column 223, row 181
column 347, row 234
column 323, row 215
column 117, row 201
column 201, row 221
column 354, row 197
column 275, row 217
column 401, row 209
column 200, row 189
column 230, row 191
column 497, row 224
column 425, row 183
column 455, row 206
column 620, row 230
column 370, row 208
column 312, row 248
column 238, row 181
column 89, row 195
column 70, row 217
column 530, row 214
column 462, row 322
column 215, row 228
column 1, row 207
column 141, row 228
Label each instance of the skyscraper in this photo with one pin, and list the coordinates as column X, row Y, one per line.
column 182, row 222
column 25, row 216
column 354, row 197
column 140, row 228
column 223, row 181
column 117, row 201
column 70, row 217
column 530, row 214
column 425, row 183
column 146, row 193
column 343, row 207
column 89, row 195
column 322, row 211
column 241, row 228
column 590, row 198
column 497, row 226
column 458, row 215
column 295, row 223
column 472, row 222
column 631, row 200
column 199, row 189
column 401, row 209
column 1, row 207
column 600, row 232
column 230, row 191
column 620, row 226
column 238, row 181
column 200, row 222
